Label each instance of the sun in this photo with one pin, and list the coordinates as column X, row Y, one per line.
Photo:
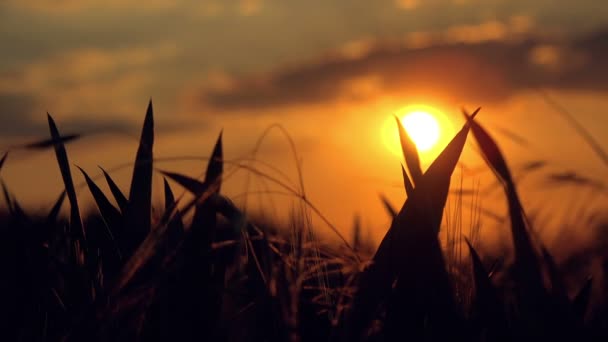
column 423, row 128
column 428, row 127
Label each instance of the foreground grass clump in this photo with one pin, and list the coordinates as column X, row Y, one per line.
column 204, row 270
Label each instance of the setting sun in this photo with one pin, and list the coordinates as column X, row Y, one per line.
column 427, row 126
column 423, row 128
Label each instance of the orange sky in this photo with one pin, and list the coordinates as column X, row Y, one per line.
column 331, row 74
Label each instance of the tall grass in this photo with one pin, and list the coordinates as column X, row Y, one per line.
column 207, row 270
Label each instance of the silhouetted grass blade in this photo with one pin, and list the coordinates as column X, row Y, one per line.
column 407, row 183
column 483, row 286
column 204, row 215
column 76, row 226
column 109, row 213
column 7, row 197
column 410, row 153
column 488, row 306
column 357, row 233
column 119, row 197
column 200, row 294
column 215, row 167
column 194, row 186
column 46, row 143
column 527, row 265
column 412, row 237
column 53, row 214
column 176, row 223
column 3, row 160
column 392, row 212
column 169, row 197
column 140, row 194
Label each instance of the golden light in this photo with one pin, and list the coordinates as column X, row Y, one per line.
column 423, row 128
column 427, row 126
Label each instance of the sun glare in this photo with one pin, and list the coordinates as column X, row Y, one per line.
column 427, row 126
column 423, row 128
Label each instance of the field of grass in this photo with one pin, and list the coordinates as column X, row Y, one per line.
column 201, row 269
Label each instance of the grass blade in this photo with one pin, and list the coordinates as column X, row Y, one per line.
column 121, row 199
column 204, row 216
column 46, row 143
column 411, row 242
column 410, row 153
column 215, row 168
column 51, row 218
column 486, row 295
column 109, row 213
column 3, row 160
column 169, row 197
column 76, row 226
column 176, row 224
column 194, row 186
column 388, row 206
column 140, row 194
column 407, row 183
column 526, row 264
column 7, row 197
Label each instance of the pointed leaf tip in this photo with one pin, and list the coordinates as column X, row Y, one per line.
column 215, row 168
column 121, row 199
column 140, row 193
column 3, row 160
column 407, row 183
column 410, row 153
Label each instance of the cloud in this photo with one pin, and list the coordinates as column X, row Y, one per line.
column 486, row 62
column 407, row 4
column 249, row 7
column 21, row 116
column 74, row 6
column 80, row 81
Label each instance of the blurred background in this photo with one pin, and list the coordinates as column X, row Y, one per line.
column 332, row 74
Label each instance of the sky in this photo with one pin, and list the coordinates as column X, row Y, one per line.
column 330, row 73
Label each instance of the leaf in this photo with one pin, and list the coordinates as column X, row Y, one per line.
column 487, row 297
column 51, row 218
column 7, row 197
column 490, row 151
column 176, row 225
column 215, row 167
column 194, row 186
column 169, row 197
column 357, row 233
column 410, row 153
column 388, row 206
column 109, row 213
column 3, row 160
column 409, row 187
column 76, row 226
column 140, row 195
column 526, row 261
column 412, row 237
column 204, row 215
column 121, row 199
column 46, row 143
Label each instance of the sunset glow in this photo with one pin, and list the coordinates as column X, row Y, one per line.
column 427, row 126
column 423, row 128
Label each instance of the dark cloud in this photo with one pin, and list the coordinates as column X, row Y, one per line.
column 15, row 110
column 22, row 115
column 481, row 72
